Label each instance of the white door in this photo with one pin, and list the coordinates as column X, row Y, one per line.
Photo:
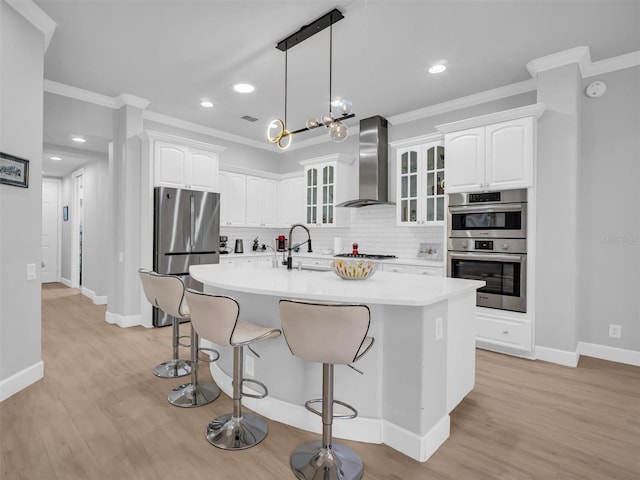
column 50, row 229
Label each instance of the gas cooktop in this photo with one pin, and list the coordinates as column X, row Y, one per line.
column 365, row 255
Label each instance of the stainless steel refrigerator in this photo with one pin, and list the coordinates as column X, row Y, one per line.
column 186, row 232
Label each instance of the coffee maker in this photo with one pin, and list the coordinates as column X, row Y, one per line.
column 223, row 244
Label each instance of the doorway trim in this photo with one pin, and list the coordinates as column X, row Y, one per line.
column 77, row 178
column 58, row 183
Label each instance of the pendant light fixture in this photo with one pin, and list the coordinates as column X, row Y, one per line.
column 277, row 132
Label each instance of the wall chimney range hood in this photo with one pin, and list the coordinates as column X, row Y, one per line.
column 374, row 161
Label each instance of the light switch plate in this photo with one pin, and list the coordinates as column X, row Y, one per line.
column 31, row 271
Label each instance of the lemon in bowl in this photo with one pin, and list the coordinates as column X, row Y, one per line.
column 354, row 269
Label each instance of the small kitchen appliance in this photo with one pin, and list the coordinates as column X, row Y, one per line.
column 239, row 246
column 281, row 243
column 223, row 244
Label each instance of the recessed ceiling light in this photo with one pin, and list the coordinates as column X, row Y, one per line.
column 55, row 158
column 206, row 103
column 78, row 139
column 244, row 87
column 437, row 68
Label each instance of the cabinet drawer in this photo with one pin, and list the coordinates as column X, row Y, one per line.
column 508, row 333
column 416, row 270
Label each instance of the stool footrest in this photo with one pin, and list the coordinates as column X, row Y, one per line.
column 187, row 345
column 209, row 360
column 308, row 406
column 254, row 395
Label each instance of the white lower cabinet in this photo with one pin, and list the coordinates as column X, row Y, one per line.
column 498, row 331
column 413, row 269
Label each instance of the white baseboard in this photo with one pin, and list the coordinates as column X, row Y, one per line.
column 613, row 354
column 369, row 430
column 553, row 355
column 66, row 282
column 122, row 320
column 96, row 299
column 21, row 380
column 418, row 447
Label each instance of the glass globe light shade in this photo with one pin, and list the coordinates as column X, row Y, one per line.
column 345, row 107
column 275, row 130
column 326, row 120
column 338, row 131
column 313, row 123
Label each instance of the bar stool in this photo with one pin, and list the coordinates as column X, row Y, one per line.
column 174, row 367
column 330, row 334
column 215, row 317
column 167, row 292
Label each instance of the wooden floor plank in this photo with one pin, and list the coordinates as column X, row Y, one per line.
column 99, row 413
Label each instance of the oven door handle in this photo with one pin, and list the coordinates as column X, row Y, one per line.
column 509, row 207
column 491, row 257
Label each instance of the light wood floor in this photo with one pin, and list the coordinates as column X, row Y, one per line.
column 99, row 413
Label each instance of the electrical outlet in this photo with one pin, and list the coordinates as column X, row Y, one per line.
column 439, row 329
column 615, row 331
column 248, row 365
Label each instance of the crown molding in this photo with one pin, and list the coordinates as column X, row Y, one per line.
column 166, row 137
column 579, row 55
column 465, row 102
column 613, row 64
column 410, row 142
column 79, row 94
column 334, row 157
column 36, row 16
column 535, row 110
column 194, row 127
column 131, row 100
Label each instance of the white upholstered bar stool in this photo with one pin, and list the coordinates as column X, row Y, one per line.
column 215, row 317
column 174, row 367
column 167, row 292
column 331, row 334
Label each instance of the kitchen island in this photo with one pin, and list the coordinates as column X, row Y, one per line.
column 420, row 367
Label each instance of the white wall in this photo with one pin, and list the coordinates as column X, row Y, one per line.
column 21, row 92
column 608, row 219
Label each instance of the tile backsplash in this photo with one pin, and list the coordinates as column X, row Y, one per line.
column 373, row 228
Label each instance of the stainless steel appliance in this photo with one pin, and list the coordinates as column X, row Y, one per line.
column 186, row 232
column 488, row 241
column 223, row 244
column 489, row 214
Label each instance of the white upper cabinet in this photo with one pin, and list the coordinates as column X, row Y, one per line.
column 329, row 181
column 420, row 184
column 180, row 165
column 233, row 199
column 291, row 204
column 491, row 154
column 261, row 202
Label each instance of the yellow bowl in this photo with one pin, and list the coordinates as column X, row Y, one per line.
column 353, row 269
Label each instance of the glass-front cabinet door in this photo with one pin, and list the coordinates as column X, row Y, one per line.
column 327, row 194
column 312, row 196
column 420, row 185
column 408, row 191
column 434, row 194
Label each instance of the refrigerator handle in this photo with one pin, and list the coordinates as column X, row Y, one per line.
column 192, row 222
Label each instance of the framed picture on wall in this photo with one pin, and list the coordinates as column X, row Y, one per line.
column 14, row 170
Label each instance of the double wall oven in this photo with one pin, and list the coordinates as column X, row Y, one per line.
column 487, row 240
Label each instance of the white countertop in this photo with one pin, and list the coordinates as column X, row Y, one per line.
column 384, row 288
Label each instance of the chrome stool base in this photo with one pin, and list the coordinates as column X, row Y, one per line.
column 236, row 433
column 190, row 395
column 311, row 461
column 173, row 369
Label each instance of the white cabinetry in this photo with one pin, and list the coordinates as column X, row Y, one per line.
column 413, row 269
column 261, row 203
column 180, row 165
column 291, row 206
column 499, row 331
column 329, row 181
column 420, row 184
column 493, row 152
column 233, row 199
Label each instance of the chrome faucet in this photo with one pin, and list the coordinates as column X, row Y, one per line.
column 291, row 246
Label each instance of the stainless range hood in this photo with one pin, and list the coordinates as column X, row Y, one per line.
column 373, row 164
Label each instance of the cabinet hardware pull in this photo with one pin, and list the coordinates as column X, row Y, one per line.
column 505, row 332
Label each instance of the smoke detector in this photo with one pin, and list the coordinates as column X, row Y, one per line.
column 595, row 89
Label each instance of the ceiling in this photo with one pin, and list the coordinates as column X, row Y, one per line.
column 174, row 53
